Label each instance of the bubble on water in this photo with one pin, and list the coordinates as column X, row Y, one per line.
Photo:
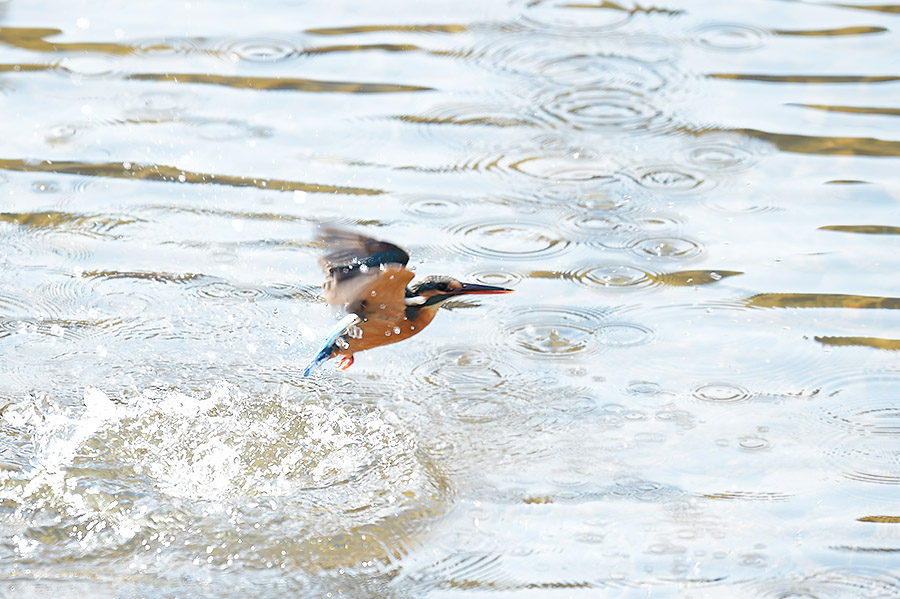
column 62, row 132
column 753, row 443
column 45, row 187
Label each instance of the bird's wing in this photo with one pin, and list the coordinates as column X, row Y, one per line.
column 385, row 297
column 365, row 276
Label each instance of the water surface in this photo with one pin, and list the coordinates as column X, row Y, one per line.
column 692, row 393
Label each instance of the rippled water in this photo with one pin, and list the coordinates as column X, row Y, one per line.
column 694, row 391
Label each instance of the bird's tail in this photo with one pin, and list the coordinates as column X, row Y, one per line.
column 329, row 344
column 320, row 359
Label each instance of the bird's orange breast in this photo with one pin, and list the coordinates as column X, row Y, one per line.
column 376, row 332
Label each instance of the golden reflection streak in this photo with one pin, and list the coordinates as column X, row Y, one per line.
column 858, row 549
column 852, row 109
column 875, row 342
column 681, row 278
column 749, row 496
column 65, row 221
column 860, row 30
column 863, row 229
column 689, row 278
column 836, row 146
column 487, row 121
column 156, row 277
column 280, row 83
column 823, row 300
column 21, row 68
column 880, row 519
column 887, row 8
column 32, row 39
column 629, row 9
column 450, row 28
column 363, row 47
column 162, row 172
column 804, row 78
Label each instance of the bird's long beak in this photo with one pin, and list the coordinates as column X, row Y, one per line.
column 476, row 289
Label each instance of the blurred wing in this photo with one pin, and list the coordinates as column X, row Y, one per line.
column 355, row 266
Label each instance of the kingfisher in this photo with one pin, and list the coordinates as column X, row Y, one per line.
column 369, row 280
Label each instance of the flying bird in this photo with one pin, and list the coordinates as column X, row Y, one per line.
column 368, row 278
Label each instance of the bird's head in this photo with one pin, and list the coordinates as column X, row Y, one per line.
column 434, row 290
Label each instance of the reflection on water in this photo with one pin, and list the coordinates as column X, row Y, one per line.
column 692, row 393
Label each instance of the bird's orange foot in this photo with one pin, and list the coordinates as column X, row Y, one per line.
column 346, row 362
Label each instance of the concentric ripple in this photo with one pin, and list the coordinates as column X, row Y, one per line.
column 623, row 334
column 618, row 277
column 869, row 416
column 256, row 49
column 666, row 248
column 865, row 416
column 498, row 278
column 714, row 153
column 219, row 290
column 509, row 240
column 579, row 17
column 670, row 178
column 869, row 460
column 553, row 332
column 569, row 167
column 505, row 113
column 433, row 206
column 721, row 392
column 62, row 133
column 592, row 108
column 730, row 36
column 590, row 71
column 854, row 583
column 464, row 370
